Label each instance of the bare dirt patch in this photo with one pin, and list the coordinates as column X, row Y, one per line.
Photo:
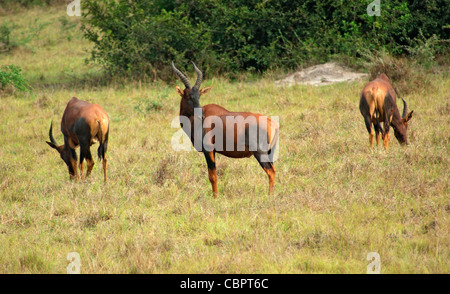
column 320, row 75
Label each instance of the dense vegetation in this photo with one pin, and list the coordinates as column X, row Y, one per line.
column 135, row 37
column 12, row 75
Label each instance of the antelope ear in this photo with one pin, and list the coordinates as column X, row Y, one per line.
column 179, row 91
column 409, row 116
column 205, row 90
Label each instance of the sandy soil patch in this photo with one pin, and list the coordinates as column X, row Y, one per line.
column 320, row 75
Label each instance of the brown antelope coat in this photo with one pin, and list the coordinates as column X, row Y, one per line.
column 378, row 104
column 82, row 125
column 190, row 100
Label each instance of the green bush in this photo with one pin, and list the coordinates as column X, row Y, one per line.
column 5, row 38
column 131, row 41
column 142, row 37
column 12, row 75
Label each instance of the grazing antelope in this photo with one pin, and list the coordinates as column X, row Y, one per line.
column 379, row 104
column 235, row 136
column 82, row 125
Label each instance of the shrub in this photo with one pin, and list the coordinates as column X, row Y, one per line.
column 378, row 62
column 142, row 37
column 12, row 75
column 5, row 38
column 401, row 71
column 424, row 51
column 131, row 41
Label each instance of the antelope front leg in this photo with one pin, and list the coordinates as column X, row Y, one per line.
column 386, row 141
column 81, row 165
column 386, row 131
column 90, row 165
column 74, row 165
column 212, row 174
column 378, row 138
column 371, row 135
column 90, row 162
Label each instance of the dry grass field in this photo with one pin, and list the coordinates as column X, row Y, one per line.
column 335, row 199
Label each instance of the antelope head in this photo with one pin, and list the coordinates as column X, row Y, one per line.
column 190, row 96
column 401, row 128
column 64, row 152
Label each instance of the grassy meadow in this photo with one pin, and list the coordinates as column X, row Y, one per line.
column 335, row 199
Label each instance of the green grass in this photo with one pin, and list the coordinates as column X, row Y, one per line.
column 335, row 199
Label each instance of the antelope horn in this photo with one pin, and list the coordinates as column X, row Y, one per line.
column 405, row 108
column 199, row 77
column 181, row 76
column 50, row 134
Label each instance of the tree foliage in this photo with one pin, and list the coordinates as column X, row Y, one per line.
column 12, row 75
column 142, row 36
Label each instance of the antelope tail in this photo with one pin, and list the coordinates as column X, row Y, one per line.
column 274, row 141
column 99, row 133
column 374, row 97
column 100, row 151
